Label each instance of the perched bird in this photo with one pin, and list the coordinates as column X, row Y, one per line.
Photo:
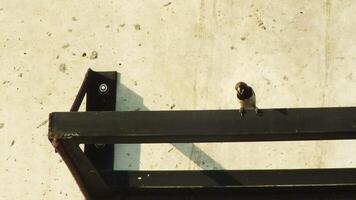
column 247, row 98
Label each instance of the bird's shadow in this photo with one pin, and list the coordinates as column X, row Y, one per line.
column 127, row 156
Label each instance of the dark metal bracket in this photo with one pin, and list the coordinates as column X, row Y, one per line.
column 100, row 90
column 101, row 96
column 93, row 168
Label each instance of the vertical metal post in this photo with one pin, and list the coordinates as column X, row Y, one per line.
column 101, row 96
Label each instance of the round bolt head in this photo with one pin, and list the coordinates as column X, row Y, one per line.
column 103, row 88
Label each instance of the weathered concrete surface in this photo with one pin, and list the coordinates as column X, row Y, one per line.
column 178, row 55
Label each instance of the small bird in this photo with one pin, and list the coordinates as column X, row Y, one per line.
column 247, row 98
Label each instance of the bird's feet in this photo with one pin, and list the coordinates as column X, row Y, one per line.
column 242, row 111
column 258, row 111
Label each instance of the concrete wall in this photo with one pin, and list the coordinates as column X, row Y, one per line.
column 170, row 55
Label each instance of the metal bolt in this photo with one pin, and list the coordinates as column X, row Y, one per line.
column 99, row 146
column 103, row 88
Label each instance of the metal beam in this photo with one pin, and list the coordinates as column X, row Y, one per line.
column 230, row 178
column 231, row 193
column 205, row 126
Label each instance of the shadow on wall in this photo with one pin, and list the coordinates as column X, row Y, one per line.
column 127, row 100
column 127, row 156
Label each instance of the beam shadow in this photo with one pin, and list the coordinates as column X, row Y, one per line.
column 128, row 100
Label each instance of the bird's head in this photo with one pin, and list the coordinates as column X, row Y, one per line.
column 241, row 88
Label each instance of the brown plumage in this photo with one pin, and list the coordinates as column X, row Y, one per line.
column 246, row 97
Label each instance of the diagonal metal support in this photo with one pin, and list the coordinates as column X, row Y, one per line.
column 86, row 175
column 81, row 93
